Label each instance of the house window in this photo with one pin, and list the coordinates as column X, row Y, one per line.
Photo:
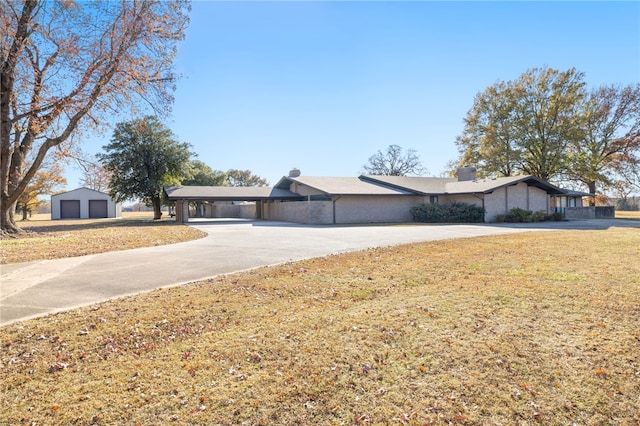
column 572, row 202
column 433, row 199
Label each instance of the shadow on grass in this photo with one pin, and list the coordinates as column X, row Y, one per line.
column 77, row 225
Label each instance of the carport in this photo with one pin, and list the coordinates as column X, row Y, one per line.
column 183, row 195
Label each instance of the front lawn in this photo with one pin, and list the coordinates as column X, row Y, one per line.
column 533, row 328
column 55, row 239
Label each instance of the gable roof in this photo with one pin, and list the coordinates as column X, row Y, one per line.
column 444, row 186
column 83, row 189
column 228, row 193
column 342, row 186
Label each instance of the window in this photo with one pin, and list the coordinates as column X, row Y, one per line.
column 433, row 199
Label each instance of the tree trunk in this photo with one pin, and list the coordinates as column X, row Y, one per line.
column 592, row 190
column 157, row 207
column 7, row 218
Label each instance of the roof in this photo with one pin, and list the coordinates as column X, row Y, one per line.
column 83, row 188
column 342, row 186
column 433, row 186
column 363, row 185
column 415, row 184
column 228, row 193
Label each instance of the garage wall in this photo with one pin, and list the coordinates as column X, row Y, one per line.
column 84, row 196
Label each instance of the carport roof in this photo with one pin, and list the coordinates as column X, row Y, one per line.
column 228, row 193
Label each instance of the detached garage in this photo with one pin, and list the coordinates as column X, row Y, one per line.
column 84, row 203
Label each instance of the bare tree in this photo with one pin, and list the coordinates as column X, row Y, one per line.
column 395, row 162
column 95, row 176
column 68, row 67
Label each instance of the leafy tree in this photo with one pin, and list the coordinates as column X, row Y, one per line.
column 611, row 140
column 66, row 66
column 142, row 157
column 526, row 125
column 43, row 183
column 395, row 162
column 203, row 175
column 489, row 139
column 244, row 178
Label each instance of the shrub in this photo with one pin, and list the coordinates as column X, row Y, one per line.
column 518, row 215
column 555, row 216
column 452, row 212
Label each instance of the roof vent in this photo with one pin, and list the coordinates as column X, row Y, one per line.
column 466, row 173
column 294, row 173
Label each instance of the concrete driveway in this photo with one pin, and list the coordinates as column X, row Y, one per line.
column 35, row 289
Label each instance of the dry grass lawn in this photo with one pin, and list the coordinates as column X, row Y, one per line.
column 536, row 328
column 627, row 214
column 54, row 239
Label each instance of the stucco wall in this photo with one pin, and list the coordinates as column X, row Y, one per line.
column 84, row 195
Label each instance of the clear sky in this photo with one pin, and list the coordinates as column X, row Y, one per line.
column 322, row 86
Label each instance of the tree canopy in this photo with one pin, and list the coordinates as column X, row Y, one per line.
column 43, row 183
column 609, row 149
column 68, row 67
column 547, row 124
column 142, row 157
column 201, row 174
column 395, row 162
column 237, row 177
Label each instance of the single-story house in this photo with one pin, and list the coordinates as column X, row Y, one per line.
column 369, row 198
column 84, row 203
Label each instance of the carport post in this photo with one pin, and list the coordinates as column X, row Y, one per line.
column 182, row 211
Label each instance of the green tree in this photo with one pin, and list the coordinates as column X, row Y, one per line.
column 142, row 157
column 66, row 66
column 525, row 125
column 202, row 175
column 611, row 137
column 395, row 162
column 244, row 178
column 489, row 139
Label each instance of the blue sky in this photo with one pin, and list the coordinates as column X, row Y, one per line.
column 322, row 86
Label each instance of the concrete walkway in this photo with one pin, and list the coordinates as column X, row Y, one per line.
column 35, row 289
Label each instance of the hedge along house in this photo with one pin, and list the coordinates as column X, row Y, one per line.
column 84, row 203
column 374, row 199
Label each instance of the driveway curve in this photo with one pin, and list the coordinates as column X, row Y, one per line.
column 35, row 289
